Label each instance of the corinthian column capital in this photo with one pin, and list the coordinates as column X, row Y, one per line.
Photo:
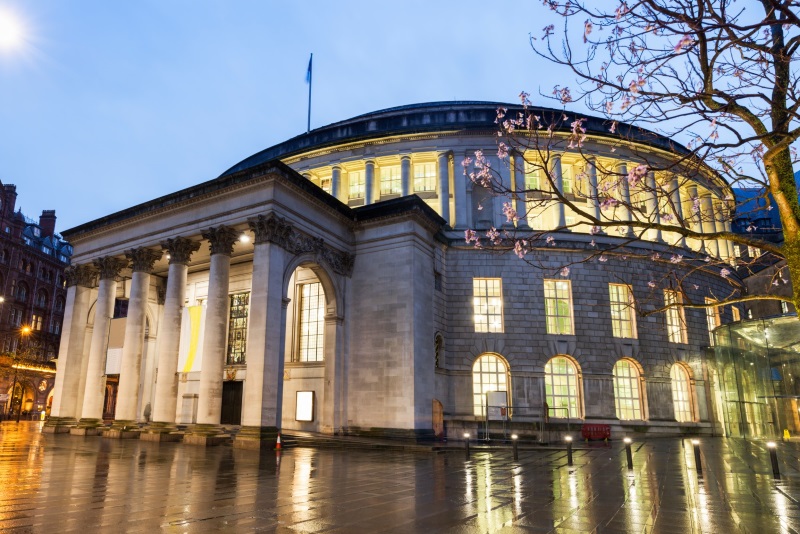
column 109, row 266
column 221, row 239
column 180, row 249
column 142, row 259
column 79, row 275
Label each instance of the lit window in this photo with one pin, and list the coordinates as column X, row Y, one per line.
column 489, row 373
column 558, row 306
column 753, row 252
column 626, row 391
column 237, row 328
column 356, row 184
column 532, row 182
column 487, row 303
column 737, row 316
column 311, row 325
column 676, row 325
column 424, row 177
column 561, row 388
column 784, row 307
column 623, row 320
column 326, row 184
column 390, row 180
column 737, row 251
column 36, row 322
column 566, row 180
column 681, row 395
column 713, row 319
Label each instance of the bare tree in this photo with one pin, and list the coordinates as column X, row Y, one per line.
column 718, row 79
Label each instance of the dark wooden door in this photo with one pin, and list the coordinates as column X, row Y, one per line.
column 232, row 402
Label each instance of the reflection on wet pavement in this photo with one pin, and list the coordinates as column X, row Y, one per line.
column 63, row 483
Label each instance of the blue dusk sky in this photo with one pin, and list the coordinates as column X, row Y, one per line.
column 108, row 104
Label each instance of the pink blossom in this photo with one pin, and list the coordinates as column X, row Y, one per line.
column 651, row 284
column 685, row 42
column 565, row 271
column 676, row 258
column 592, row 243
column 510, row 213
column 548, row 30
column 602, row 259
column 502, row 151
column 523, row 98
column 520, row 249
column 563, row 94
column 613, row 127
column 470, row 236
column 724, row 273
column 636, row 174
column 493, row 235
column 608, row 202
column 550, row 240
column 594, row 230
column 656, row 256
column 587, row 29
column 609, row 106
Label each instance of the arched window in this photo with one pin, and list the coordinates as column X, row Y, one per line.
column 59, row 304
column 681, row 393
column 22, row 291
column 561, row 384
column 489, row 373
column 41, row 299
column 627, row 393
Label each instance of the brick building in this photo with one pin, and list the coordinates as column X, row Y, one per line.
column 32, row 262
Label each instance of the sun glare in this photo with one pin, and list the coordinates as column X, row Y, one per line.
column 12, row 31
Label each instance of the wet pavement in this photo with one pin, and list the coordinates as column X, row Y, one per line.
column 63, row 483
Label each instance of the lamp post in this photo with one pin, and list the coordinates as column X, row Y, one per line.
column 24, row 332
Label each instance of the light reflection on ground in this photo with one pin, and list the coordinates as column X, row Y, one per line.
column 73, row 484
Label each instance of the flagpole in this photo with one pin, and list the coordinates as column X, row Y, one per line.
column 308, row 126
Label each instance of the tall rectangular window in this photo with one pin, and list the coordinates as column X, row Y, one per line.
column 390, row 180
column 566, row 179
column 713, row 320
column 737, row 316
column 753, row 252
column 532, row 182
column 623, row 319
column 237, row 328
column 356, row 184
column 676, row 324
column 487, row 303
column 311, row 323
column 36, row 322
column 558, row 306
column 326, row 184
column 424, row 177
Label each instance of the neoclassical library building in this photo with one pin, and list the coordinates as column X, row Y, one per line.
column 325, row 285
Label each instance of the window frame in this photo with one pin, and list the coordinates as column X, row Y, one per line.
column 573, row 383
column 674, row 317
column 619, row 322
column 427, row 179
column 483, row 306
column 393, row 183
column 554, row 321
column 713, row 319
column 480, row 388
column 302, row 349
column 682, row 403
column 628, row 387
column 356, row 180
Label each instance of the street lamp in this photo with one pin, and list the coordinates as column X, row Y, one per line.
column 24, row 332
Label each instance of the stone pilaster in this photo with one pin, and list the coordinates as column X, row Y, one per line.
column 369, row 182
column 444, row 185
column 180, row 250
column 558, row 178
column 126, row 417
column 677, row 205
column 594, row 196
column 336, row 182
column 94, row 393
column 625, row 192
column 651, row 201
column 405, row 175
column 64, row 413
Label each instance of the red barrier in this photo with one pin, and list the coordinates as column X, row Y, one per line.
column 596, row 431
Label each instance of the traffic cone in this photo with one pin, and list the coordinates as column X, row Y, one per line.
column 278, row 443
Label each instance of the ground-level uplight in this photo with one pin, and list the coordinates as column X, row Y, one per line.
column 466, row 443
column 514, row 439
column 773, row 456
column 568, row 439
column 628, row 452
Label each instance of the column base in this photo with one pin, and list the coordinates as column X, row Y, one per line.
column 85, row 430
column 206, row 435
column 123, row 429
column 256, row 438
column 161, row 432
column 58, row 425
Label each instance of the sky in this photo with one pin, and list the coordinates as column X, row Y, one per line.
column 109, row 104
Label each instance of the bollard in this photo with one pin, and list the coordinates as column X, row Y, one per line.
column 697, row 463
column 568, row 439
column 466, row 443
column 514, row 446
column 773, row 456
column 628, row 452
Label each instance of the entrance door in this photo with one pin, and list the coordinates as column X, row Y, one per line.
column 231, row 402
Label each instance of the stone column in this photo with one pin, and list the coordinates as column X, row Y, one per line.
column 126, row 417
column 94, row 394
column 263, row 391
column 331, row 418
column 444, row 185
column 336, row 182
column 215, row 336
column 708, row 223
column 369, row 182
column 80, row 279
column 720, row 218
column 594, row 197
column 558, row 178
column 677, row 205
column 405, row 175
column 625, row 191
column 461, row 188
column 180, row 251
column 652, row 206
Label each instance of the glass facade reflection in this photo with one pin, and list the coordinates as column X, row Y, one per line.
column 757, row 364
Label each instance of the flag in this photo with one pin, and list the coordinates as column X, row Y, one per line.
column 308, row 74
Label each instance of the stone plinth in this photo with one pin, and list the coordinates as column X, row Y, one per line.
column 149, row 435
column 85, row 431
column 59, row 425
column 206, row 440
column 256, row 438
column 115, row 433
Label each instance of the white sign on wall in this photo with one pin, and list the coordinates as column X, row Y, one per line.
column 304, row 410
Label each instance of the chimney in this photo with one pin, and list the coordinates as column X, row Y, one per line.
column 10, row 194
column 48, row 222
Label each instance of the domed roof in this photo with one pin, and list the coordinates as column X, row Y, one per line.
column 436, row 117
